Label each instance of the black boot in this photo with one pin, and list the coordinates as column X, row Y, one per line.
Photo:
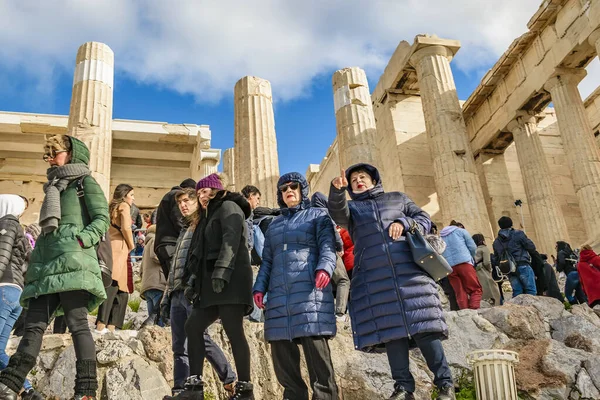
column 13, row 376
column 7, row 393
column 193, row 390
column 31, row 394
column 446, row 393
column 401, row 394
column 243, row 391
column 86, row 382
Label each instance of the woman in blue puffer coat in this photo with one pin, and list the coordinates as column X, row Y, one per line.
column 393, row 302
column 297, row 264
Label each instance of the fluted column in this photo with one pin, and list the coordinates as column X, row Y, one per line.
column 90, row 114
column 594, row 40
column 209, row 161
column 256, row 160
column 548, row 220
column 580, row 146
column 457, row 184
column 355, row 122
column 229, row 168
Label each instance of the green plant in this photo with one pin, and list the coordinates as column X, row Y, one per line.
column 209, row 396
column 134, row 304
column 127, row 326
column 568, row 305
column 466, row 387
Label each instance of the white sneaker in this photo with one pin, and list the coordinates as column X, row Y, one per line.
column 102, row 332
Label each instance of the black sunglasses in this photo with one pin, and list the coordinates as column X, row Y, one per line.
column 292, row 185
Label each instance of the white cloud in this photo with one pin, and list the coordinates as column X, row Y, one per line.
column 204, row 47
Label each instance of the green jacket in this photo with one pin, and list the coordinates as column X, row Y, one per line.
column 58, row 262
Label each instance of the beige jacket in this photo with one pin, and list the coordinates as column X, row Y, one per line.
column 121, row 241
column 151, row 271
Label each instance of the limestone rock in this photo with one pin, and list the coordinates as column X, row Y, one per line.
column 137, row 346
column 563, row 362
column 518, row 322
column 586, row 312
column 157, row 345
column 576, row 331
column 549, row 307
column 592, row 367
column 60, row 380
column 114, row 350
column 138, row 374
column 586, row 387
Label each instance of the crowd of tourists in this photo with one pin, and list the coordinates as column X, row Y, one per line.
column 210, row 255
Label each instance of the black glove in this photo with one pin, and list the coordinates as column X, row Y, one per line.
column 218, row 285
column 165, row 310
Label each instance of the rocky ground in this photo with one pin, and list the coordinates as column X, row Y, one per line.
column 559, row 356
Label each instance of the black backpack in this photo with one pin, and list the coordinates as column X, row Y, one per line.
column 507, row 263
column 103, row 248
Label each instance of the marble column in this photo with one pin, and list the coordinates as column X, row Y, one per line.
column 458, row 188
column 579, row 144
column 209, row 161
column 594, row 40
column 256, row 160
column 355, row 122
column 548, row 220
column 90, row 114
column 229, row 168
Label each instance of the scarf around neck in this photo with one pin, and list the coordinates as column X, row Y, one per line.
column 58, row 180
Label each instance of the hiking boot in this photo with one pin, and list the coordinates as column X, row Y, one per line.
column 192, row 390
column 31, row 394
column 243, row 391
column 446, row 393
column 7, row 393
column 401, row 394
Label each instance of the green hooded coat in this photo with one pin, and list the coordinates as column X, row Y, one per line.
column 58, row 262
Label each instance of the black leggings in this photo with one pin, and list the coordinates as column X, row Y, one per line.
column 232, row 317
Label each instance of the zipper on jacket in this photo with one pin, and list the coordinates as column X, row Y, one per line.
column 387, row 251
column 287, row 298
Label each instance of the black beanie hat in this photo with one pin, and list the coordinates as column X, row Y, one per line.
column 505, row 222
column 188, row 183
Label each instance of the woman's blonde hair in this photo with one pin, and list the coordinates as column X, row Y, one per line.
column 56, row 143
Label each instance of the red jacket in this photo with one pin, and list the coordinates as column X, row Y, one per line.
column 348, row 256
column 589, row 275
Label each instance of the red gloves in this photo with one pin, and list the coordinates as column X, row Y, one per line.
column 258, row 299
column 322, row 279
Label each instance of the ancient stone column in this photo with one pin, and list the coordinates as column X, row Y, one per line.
column 209, row 161
column 229, row 168
column 256, row 161
column 594, row 40
column 580, row 147
column 355, row 122
column 548, row 219
column 456, row 181
column 90, row 115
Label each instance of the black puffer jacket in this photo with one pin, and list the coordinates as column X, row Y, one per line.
column 14, row 251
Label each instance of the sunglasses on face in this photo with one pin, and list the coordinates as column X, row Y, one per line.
column 293, row 186
column 51, row 155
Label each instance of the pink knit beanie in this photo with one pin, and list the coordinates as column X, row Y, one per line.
column 211, row 181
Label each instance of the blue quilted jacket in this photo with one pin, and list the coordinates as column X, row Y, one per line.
column 460, row 247
column 391, row 297
column 298, row 243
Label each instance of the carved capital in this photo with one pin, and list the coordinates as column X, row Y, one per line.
column 430, row 51
column 594, row 39
column 565, row 76
column 521, row 119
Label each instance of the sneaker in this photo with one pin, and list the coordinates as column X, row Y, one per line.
column 401, row 394
column 102, row 332
column 31, row 394
column 446, row 393
column 7, row 393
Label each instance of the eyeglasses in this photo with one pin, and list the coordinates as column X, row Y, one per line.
column 52, row 155
column 292, row 185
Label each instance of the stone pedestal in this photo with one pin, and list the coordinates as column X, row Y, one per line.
column 355, row 122
column 229, row 168
column 90, row 114
column 580, row 147
column 546, row 214
column 457, row 184
column 256, row 161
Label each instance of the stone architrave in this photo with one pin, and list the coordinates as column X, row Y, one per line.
column 229, row 168
column 209, row 161
column 580, row 147
column 355, row 122
column 90, row 114
column 256, row 161
column 457, row 183
column 548, row 219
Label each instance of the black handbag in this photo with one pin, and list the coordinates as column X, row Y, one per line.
column 425, row 256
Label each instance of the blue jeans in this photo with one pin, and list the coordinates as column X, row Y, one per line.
column 433, row 352
column 153, row 298
column 574, row 285
column 523, row 281
column 10, row 309
column 181, row 309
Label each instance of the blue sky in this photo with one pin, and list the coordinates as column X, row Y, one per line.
column 179, row 64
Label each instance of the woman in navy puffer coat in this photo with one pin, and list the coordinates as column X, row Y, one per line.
column 297, row 264
column 393, row 302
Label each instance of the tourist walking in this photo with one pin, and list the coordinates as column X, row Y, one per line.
column 388, row 289
column 552, row 288
column 153, row 279
column 15, row 249
column 567, row 263
column 111, row 313
column 298, row 263
column 175, row 305
column 589, row 274
column 220, row 262
column 483, row 267
column 515, row 244
column 63, row 274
